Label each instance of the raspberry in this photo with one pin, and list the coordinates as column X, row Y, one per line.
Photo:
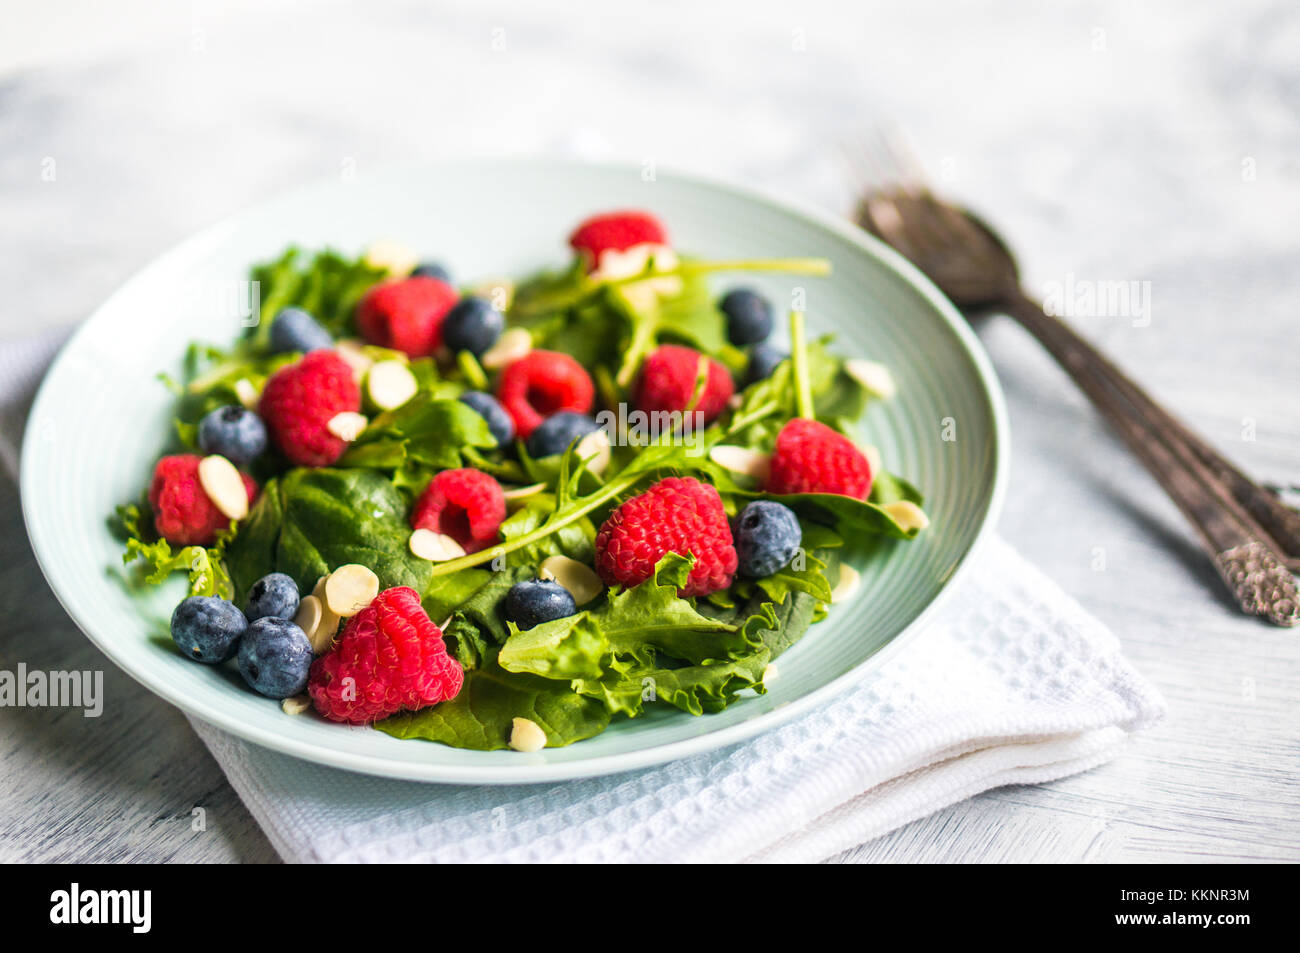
column 542, row 383
column 182, row 512
column 667, row 381
column 616, row 231
column 298, row 403
column 812, row 458
column 467, row 505
column 676, row 515
column 406, row 314
column 390, row 657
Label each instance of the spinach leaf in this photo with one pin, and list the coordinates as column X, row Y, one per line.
column 251, row 554
column 333, row 517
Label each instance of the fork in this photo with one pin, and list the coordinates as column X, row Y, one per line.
column 1252, row 538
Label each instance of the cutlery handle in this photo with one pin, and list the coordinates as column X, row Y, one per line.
column 1223, row 504
column 1279, row 521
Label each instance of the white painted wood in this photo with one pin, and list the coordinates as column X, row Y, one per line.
column 1110, row 141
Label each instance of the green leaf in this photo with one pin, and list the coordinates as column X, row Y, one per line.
column 334, row 517
column 696, row 689
column 846, row 514
column 329, row 285
column 427, row 432
column 577, row 539
column 479, row 625
column 610, row 651
column 207, row 572
column 480, row 717
column 251, row 554
column 887, row 487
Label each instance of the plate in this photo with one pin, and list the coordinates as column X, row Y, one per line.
column 102, row 415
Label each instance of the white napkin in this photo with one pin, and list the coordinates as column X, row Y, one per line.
column 1011, row 683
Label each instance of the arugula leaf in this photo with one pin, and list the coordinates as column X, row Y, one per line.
column 329, row 285
column 207, row 572
column 426, row 433
column 577, row 539
column 211, row 376
column 480, row 717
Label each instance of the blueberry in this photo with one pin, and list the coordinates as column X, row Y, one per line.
column 749, row 316
column 273, row 596
column 207, row 629
column 295, row 330
column 767, row 537
column 274, row 657
column 554, row 434
column 235, row 432
column 535, row 601
column 472, row 325
column 431, row 269
column 486, row 406
column 763, row 360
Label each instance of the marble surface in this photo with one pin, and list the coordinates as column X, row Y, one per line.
column 1111, row 141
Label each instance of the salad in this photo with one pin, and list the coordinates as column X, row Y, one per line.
column 504, row 514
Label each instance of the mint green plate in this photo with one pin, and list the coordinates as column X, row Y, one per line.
column 102, row 415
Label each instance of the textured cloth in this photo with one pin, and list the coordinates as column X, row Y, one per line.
column 1012, row 682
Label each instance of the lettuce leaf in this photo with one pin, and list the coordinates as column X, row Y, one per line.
column 204, row 564
column 481, row 715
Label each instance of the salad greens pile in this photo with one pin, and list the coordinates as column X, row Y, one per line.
column 623, row 652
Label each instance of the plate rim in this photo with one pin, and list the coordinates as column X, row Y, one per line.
column 510, row 774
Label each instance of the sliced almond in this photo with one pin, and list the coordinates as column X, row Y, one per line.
column 907, row 515
column 350, row 588
column 579, row 578
column 390, row 384
column 770, row 673
column 323, row 636
column 523, row 492
column 436, row 547
column 526, row 735
column 224, row 486
column 874, row 460
column 347, row 425
column 596, row 446
column 351, row 353
column 246, row 392
column 513, row 344
column 751, row 463
column 309, row 615
column 295, row 704
column 848, row 584
column 394, row 257
column 874, row 376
